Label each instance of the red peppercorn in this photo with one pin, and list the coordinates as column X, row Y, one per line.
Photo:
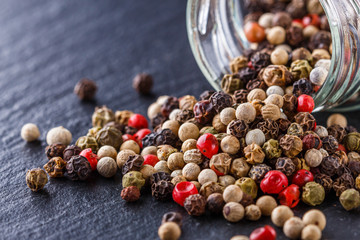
column 311, row 19
column 316, row 88
column 254, row 32
column 91, row 157
column 305, row 103
column 341, row 148
column 302, row 177
column 274, row 182
column 290, row 196
column 264, row 233
column 208, row 145
column 139, row 135
column 150, row 159
column 182, row 190
column 127, row 136
column 138, row 121
column 250, row 65
column 298, row 21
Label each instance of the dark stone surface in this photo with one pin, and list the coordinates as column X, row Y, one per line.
column 45, row 48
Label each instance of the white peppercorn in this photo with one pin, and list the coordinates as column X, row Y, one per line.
column 239, row 237
column 266, row 204
column 311, row 232
column 169, row 231
column 191, row 171
column 289, row 90
column 193, row 156
column 122, row 156
column 106, row 167
column 217, row 124
column 152, row 150
column 226, row 180
column 252, row 212
column 162, row 99
column 309, row 31
column 271, row 111
column 30, row 132
column 233, row 212
column 161, row 166
column 107, row 151
column 174, row 113
column 239, row 167
column 188, row 145
column 176, row 173
column 315, row 217
column 207, row 175
column 227, row 115
column 313, row 157
column 172, row 125
column 130, row 145
column 256, row 94
column 275, row 99
column 233, row 193
column 280, row 215
column 285, row 47
column 266, row 19
column 279, row 57
column 153, row 110
column 246, row 112
column 324, row 152
column 176, row 161
column 59, row 135
column 197, row 185
column 321, row 131
column 324, row 63
column 275, row 90
column 255, row 136
column 337, row 118
column 147, row 171
column 276, row 35
column 318, row 76
column 230, row 144
column 293, row 227
column 188, row 131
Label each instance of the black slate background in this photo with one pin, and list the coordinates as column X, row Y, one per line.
column 45, row 48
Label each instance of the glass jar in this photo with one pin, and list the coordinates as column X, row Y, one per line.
column 215, row 31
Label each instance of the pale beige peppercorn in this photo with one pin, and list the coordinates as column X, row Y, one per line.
column 122, row 156
column 188, row 145
column 107, row 151
column 169, row 231
column 230, row 144
column 191, row 171
column 176, row 161
column 233, row 212
column 226, row 180
column 172, row 125
column 232, row 193
column 164, row 151
column 187, row 102
column 30, row 132
column 309, row 31
column 337, row 118
column 239, row 167
column 239, row 237
column 252, row 212
column 193, row 156
column 276, row 35
column 293, row 227
column 255, row 136
column 178, row 179
column 147, row 171
column 227, row 115
column 130, row 145
column 280, row 215
column 152, row 150
column 311, row 232
column 275, row 99
column 59, row 135
column 153, row 110
column 188, row 131
column 106, row 167
column 313, row 157
column 176, row 173
column 289, row 90
column 256, row 94
column 315, row 217
column 271, row 111
column 279, row 57
column 246, row 112
column 266, row 204
column 197, row 185
column 161, row 166
column 217, row 124
column 207, row 175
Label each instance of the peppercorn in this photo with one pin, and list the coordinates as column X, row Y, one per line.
column 30, row 132
column 169, row 231
column 162, row 190
column 285, row 165
column 191, row 171
column 239, row 167
column 300, row 69
column 291, row 145
column 254, row 154
column 280, row 215
column 258, row 171
column 266, row 204
column 311, row 140
column 313, row 194
column 293, row 227
column 295, row 129
column 195, row 205
column 158, row 176
column 315, row 217
column 109, row 136
column 142, row 83
column 56, row 167
column 107, row 151
column 350, row 199
column 237, row 63
column 130, row 194
column 220, row 163
column 230, row 145
column 204, row 111
column 59, row 135
column 55, row 150
column 106, row 167
column 272, row 149
column 172, row 125
column 329, row 165
column 36, row 179
column 237, row 128
column 233, row 212
column 320, row 40
column 231, row 82
column 294, row 36
column 276, row 35
column 193, row 156
column 78, row 168
column 207, row 94
column 330, row 144
column 255, row 136
column 133, row 178
column 85, row 142
column 207, row 175
column 188, row 145
column 175, row 161
column 215, row 203
column 311, row 232
column 217, row 124
column 174, row 217
column 313, row 157
column 325, row 181
column 246, row 112
column 85, row 89
column 232, row 193
column 101, row 116
column 226, row 180
column 183, row 115
column 275, row 75
column 169, row 104
column 252, row 212
column 161, row 166
column 133, row 163
column 221, row 100
column 271, row 111
column 254, row 32
column 209, row 188
column 342, row 183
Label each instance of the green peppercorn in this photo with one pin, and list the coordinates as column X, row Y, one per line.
column 313, row 194
column 272, row 149
column 133, row 178
column 109, row 136
column 208, row 129
column 350, row 199
column 101, row 116
column 295, row 129
column 87, row 142
column 231, row 82
column 300, row 69
column 93, row 131
column 248, row 186
column 352, row 141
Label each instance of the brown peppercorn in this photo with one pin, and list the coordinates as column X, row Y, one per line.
column 55, row 150
column 215, row 203
column 310, row 141
column 271, row 111
column 187, row 102
column 169, row 105
column 270, row 128
column 329, row 165
column 122, row 117
column 294, row 35
column 285, row 165
column 78, row 168
column 101, row 116
column 237, row 128
column 206, row 94
column 133, row 163
column 342, row 183
column 204, row 111
column 56, row 167
column 143, row 83
column 221, row 100
column 36, row 179
column 85, row 89
column 240, row 96
column 282, row 19
column 195, row 205
column 71, row 151
column 221, row 162
column 254, row 154
column 184, row 115
column 162, row 190
column 301, row 54
column 330, row 144
column 237, row 63
column 325, row 181
column 291, row 145
column 255, row 84
column 320, row 40
column 306, row 120
column 130, row 194
column 283, row 124
column 172, row 217
column 337, row 132
column 258, row 171
column 209, row 188
column 275, row 75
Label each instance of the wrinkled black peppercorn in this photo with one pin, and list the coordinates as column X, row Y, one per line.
column 165, row 137
column 238, row 128
column 158, row 120
column 215, row 203
column 247, row 74
column 133, row 163
column 195, row 205
column 260, row 60
column 337, row 132
column 158, row 176
column 221, row 100
column 330, row 144
column 329, row 166
column 324, row 180
column 170, row 104
column 206, row 95
column 302, row 86
column 78, row 168
column 149, row 139
column 204, row 111
column 55, row 150
column 240, row 96
column 162, row 190
column 70, row 151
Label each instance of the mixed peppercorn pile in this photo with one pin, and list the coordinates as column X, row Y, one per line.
column 238, row 152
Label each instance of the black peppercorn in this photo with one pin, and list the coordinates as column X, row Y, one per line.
column 162, row 190
column 270, row 128
column 324, row 180
column 143, row 83
column 238, row 128
column 337, row 132
column 130, row 130
column 165, row 137
column 285, row 165
column 302, row 86
column 158, row 176
column 260, row 60
column 221, row 100
column 297, row 8
column 70, row 151
column 282, row 19
column 148, row 140
column 320, row 40
column 306, row 120
column 195, row 205
column 240, row 96
column 184, row 116
column 247, row 74
column 283, row 124
column 330, row 144
column 78, row 168
column 170, row 104
column 256, row 83
column 157, row 120
column 55, row 150
column 116, row 125
column 133, row 163
column 206, row 95
column 85, row 89
column 294, row 36
column 172, row 217
column 329, row 165
column 354, row 167
column 342, row 183
column 204, row 111
column 215, row 203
